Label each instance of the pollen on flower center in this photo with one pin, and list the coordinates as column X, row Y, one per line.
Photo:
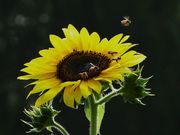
column 82, row 65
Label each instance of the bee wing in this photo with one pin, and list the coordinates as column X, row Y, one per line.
column 126, row 17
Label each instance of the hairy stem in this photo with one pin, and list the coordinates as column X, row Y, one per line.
column 60, row 128
column 108, row 97
column 94, row 113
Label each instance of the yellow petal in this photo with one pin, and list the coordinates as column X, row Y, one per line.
column 115, row 39
column 39, row 60
column 50, row 94
column 103, row 45
column 43, row 62
column 56, row 41
column 44, row 85
column 111, row 75
column 112, row 44
column 122, row 48
column 73, row 30
column 131, row 58
column 77, row 95
column 84, row 39
column 39, row 69
column 85, row 91
column 120, row 77
column 124, row 39
column 95, row 85
column 68, row 95
column 94, row 41
column 52, row 54
column 103, row 79
column 114, row 67
column 24, row 77
column 59, row 44
column 72, row 34
column 115, row 72
column 38, row 76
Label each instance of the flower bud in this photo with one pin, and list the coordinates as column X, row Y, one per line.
column 41, row 118
column 134, row 87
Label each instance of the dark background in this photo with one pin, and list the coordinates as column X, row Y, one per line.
column 24, row 29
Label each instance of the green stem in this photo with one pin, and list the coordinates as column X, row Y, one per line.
column 94, row 113
column 107, row 97
column 60, row 128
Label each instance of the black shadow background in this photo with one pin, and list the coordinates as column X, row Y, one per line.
column 24, row 29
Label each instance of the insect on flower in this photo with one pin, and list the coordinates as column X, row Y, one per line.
column 83, row 75
column 93, row 68
column 116, row 59
column 126, row 22
column 112, row 52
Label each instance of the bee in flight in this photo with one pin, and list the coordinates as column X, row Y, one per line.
column 126, row 22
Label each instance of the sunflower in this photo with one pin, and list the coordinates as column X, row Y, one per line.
column 77, row 65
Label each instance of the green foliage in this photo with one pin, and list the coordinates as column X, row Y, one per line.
column 87, row 110
column 100, row 116
column 105, row 85
column 134, row 87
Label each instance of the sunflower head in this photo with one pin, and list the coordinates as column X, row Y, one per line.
column 77, row 65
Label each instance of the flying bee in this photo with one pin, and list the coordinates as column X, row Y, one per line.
column 112, row 52
column 83, row 75
column 126, row 22
column 93, row 68
column 116, row 59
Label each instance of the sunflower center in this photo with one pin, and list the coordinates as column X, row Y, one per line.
column 82, row 65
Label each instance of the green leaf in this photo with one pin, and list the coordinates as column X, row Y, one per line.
column 87, row 110
column 105, row 85
column 100, row 116
column 49, row 129
column 100, row 111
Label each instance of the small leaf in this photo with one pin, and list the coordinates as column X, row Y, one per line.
column 105, row 85
column 100, row 116
column 49, row 129
column 87, row 110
